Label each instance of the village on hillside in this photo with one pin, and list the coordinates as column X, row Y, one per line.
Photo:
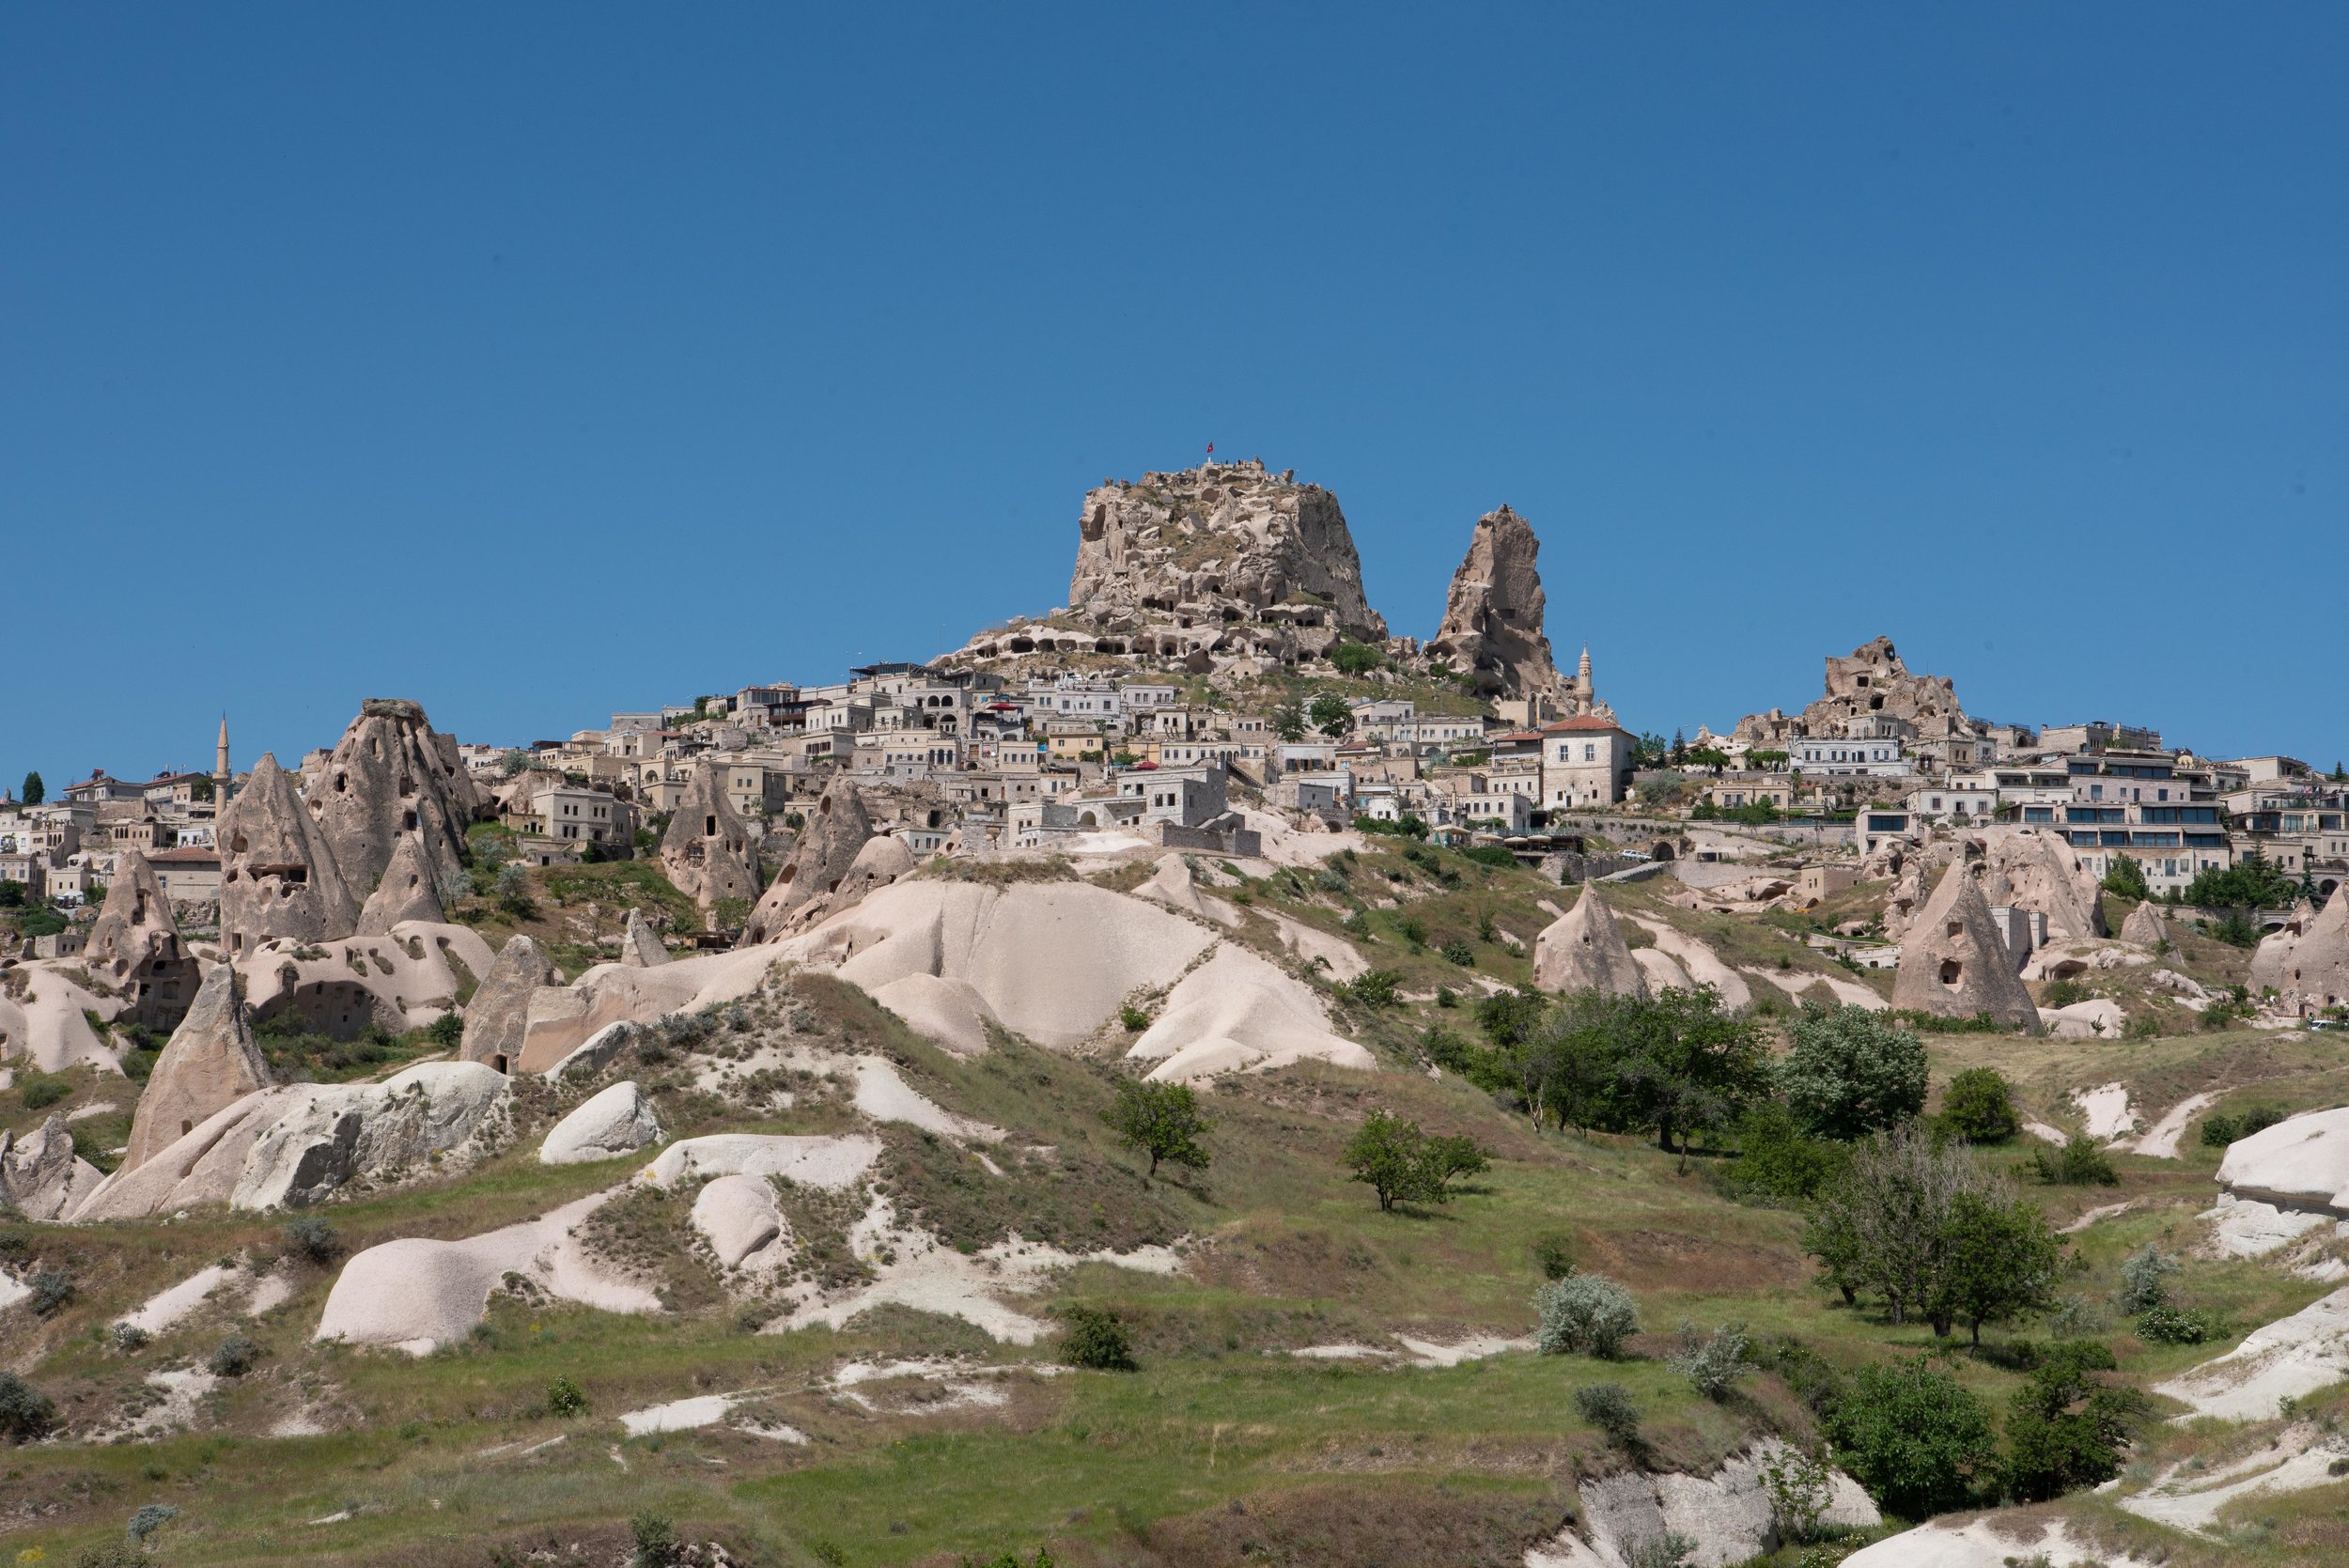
column 344, row 1090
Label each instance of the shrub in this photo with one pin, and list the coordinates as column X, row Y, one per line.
column 118, row 1554
column 446, row 1031
column 1585, row 1313
column 2143, row 1274
column 1776, row 1160
column 52, row 1289
column 26, row 1414
column 1553, row 1254
column 2080, row 1162
column 1355, row 658
column 1979, row 1107
column 1609, row 1407
column 129, row 1337
column 1402, row 1164
column 1133, row 1018
column 1413, row 930
column 655, row 1539
column 2220, row 1130
column 1095, row 1338
column 147, row 1520
column 1915, row 1440
column 1492, row 855
column 1802, row 1491
column 2127, row 879
column 2067, row 1427
column 2167, row 1325
column 233, row 1357
column 311, row 1237
column 42, row 1093
column 1162, row 1120
column 1459, row 953
column 1851, row 1073
column 565, row 1397
column 1665, row 1549
column 2063, row 993
column 1374, row 988
column 1712, row 1364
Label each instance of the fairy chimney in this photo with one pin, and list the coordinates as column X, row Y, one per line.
column 210, row 1064
column 278, row 878
column 837, row 830
column 1583, row 950
column 499, row 1013
column 641, row 946
column 1492, row 619
column 393, row 777
column 406, row 891
column 136, row 947
column 706, row 850
column 1953, row 962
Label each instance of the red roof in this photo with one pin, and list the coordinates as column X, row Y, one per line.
column 1585, row 724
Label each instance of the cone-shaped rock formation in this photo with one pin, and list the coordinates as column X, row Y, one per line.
column 391, row 777
column 1954, row 964
column 837, row 830
column 706, row 850
column 406, row 891
column 1583, row 950
column 136, row 948
column 278, row 878
column 210, row 1064
column 1492, row 621
column 499, row 1013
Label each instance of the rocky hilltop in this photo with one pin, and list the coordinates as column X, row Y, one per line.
column 1492, row 618
column 1873, row 680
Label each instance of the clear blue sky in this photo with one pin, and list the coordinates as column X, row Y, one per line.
column 535, row 361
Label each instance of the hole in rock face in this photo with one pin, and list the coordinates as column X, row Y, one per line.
column 1951, row 970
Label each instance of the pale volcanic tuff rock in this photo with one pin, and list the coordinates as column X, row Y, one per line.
column 499, row 1013
column 1492, row 619
column 278, row 874
column 2145, row 927
column 136, row 948
column 615, row 1121
column 1583, row 950
column 1178, row 550
column 2307, row 961
column 706, row 850
column 391, row 775
column 405, row 893
column 1954, row 965
column 1871, row 681
column 210, row 1064
column 836, row 831
column 641, row 945
column 41, row 1175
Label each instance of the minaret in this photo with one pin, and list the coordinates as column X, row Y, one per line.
column 221, row 777
column 1583, row 693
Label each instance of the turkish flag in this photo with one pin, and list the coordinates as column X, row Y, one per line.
column 1211, row 449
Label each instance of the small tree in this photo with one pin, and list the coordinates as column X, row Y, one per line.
column 2001, row 1262
column 2080, row 1162
column 655, row 1540
column 26, row 1414
column 2066, row 1426
column 1332, row 714
column 2145, row 1280
column 33, row 792
column 2127, row 879
column 1851, row 1073
column 1096, row 1339
column 1979, row 1107
column 1915, row 1440
column 1584, row 1312
column 1402, row 1164
column 1355, row 658
column 1162, row 1120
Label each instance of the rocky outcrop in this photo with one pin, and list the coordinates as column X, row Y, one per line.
column 41, row 1175
column 1492, row 620
column 836, row 831
column 1217, row 564
column 1872, row 682
column 210, row 1064
column 278, row 875
column 1583, row 950
column 739, row 1218
column 134, row 947
column 404, row 979
column 333, row 1134
column 2306, row 963
column 1726, row 1518
column 613, row 1122
column 2026, row 868
column 706, row 850
column 2145, row 927
column 392, row 776
column 499, row 1013
column 641, row 945
column 407, row 892
column 1954, row 965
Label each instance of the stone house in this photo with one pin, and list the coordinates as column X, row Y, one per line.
column 1585, row 762
column 189, row 874
column 1750, row 787
column 1188, row 798
column 575, row 817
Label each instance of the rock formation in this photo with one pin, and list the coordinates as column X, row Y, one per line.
column 1216, row 564
column 499, row 1013
column 2026, row 868
column 1583, row 950
column 392, row 776
column 2306, row 963
column 278, row 876
column 615, row 1121
column 1873, row 680
column 836, row 831
column 641, row 945
column 706, row 850
column 1492, row 620
column 2145, row 927
column 41, row 1175
column 1953, row 963
column 210, row 1064
column 406, row 891
column 135, row 946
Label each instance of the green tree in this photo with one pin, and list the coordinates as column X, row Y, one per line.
column 1289, row 721
column 1851, row 1073
column 1979, row 1107
column 1162, row 1120
column 1332, row 714
column 1915, row 1440
column 2066, row 1425
column 1887, row 1223
column 2127, row 879
column 2251, row 883
column 1402, row 1164
column 2000, row 1257
column 33, row 792
column 1355, row 658
column 1682, row 1065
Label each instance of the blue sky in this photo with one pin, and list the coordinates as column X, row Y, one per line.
column 535, row 361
